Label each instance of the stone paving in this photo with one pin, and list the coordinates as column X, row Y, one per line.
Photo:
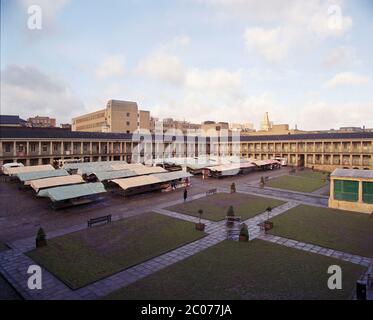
column 14, row 263
column 364, row 261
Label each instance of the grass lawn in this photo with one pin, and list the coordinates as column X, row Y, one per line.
column 86, row 256
column 215, row 206
column 6, row 290
column 235, row 270
column 341, row 230
column 302, row 181
column 3, row 247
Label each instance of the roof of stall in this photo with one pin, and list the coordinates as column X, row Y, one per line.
column 169, row 176
column 135, row 182
column 27, row 176
column 73, row 191
column 76, row 166
column 55, row 181
column 148, row 170
column 353, row 173
column 14, row 171
column 110, row 175
column 150, row 179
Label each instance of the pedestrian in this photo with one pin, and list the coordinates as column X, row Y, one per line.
column 185, row 194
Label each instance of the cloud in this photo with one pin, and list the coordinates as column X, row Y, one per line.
column 340, row 57
column 27, row 91
column 312, row 115
column 111, row 66
column 216, row 81
column 50, row 10
column 163, row 66
column 347, row 79
column 273, row 44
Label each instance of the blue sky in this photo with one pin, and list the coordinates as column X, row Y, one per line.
column 308, row 63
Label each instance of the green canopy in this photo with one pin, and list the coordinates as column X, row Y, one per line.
column 36, row 175
column 73, row 191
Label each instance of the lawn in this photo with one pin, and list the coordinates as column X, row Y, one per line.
column 302, row 181
column 86, row 256
column 3, row 247
column 341, row 230
column 255, row 270
column 215, row 206
column 6, row 290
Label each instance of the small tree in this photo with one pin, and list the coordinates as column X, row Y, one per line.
column 230, row 212
column 244, row 230
column 269, row 209
column 233, row 187
column 41, row 239
column 200, row 213
column 41, row 234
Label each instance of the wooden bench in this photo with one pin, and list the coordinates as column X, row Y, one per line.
column 103, row 219
column 211, row 191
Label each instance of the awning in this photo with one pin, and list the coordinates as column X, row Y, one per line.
column 14, row 171
column 27, row 176
column 147, row 170
column 55, row 181
column 135, row 182
column 111, row 175
column 72, row 192
column 170, row 176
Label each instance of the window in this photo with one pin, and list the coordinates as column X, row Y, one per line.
column 128, row 123
column 367, row 192
column 33, row 147
column 7, row 147
column 44, row 148
column 128, row 114
column 346, row 190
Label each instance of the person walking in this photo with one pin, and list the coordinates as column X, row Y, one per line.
column 185, row 194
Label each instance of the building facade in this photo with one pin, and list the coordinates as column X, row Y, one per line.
column 118, row 117
column 326, row 151
column 41, row 122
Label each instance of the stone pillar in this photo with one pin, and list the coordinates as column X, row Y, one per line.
column 82, row 148
column 39, row 149
column 27, row 148
column 90, row 148
column 51, row 148
column 332, row 188
column 360, row 191
column 1, row 149
column 62, row 149
column 99, row 149
column 14, row 149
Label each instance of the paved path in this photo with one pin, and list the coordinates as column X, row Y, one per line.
column 356, row 259
column 285, row 195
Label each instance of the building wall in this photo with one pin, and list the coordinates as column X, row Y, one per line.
column 118, row 117
column 325, row 155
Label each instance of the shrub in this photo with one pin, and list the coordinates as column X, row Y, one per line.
column 41, row 234
column 233, row 187
column 244, row 231
column 230, row 212
column 200, row 213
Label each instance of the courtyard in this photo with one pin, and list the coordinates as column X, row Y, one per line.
column 235, row 271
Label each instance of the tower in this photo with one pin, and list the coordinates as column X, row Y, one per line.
column 266, row 124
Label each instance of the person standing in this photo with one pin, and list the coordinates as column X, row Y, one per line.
column 185, row 194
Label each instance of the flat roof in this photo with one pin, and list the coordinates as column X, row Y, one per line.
column 17, row 170
column 55, row 181
column 59, row 133
column 353, row 173
column 73, row 191
column 27, row 176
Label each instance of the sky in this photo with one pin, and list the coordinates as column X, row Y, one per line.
column 308, row 63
